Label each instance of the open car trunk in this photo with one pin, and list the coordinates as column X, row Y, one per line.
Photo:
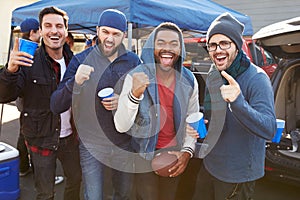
column 287, row 96
column 282, row 39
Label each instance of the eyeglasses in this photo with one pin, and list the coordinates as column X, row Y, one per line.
column 222, row 44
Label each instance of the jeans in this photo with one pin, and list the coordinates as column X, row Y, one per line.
column 210, row 188
column 45, row 168
column 93, row 174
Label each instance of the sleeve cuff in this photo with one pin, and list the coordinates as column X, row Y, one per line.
column 133, row 99
column 188, row 150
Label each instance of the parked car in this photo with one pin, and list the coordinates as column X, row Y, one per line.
column 197, row 56
column 283, row 41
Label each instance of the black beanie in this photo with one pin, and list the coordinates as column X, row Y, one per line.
column 227, row 25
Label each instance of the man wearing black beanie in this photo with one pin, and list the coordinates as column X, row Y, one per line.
column 237, row 158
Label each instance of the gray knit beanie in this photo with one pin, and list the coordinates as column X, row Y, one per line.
column 228, row 25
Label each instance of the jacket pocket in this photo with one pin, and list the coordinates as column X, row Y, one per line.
column 37, row 123
column 42, row 85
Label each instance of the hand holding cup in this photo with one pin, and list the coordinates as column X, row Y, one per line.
column 18, row 58
column 108, row 99
column 196, row 125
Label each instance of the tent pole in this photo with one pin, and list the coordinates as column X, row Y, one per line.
column 10, row 47
column 129, row 36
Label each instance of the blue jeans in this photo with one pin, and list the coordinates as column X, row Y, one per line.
column 93, row 174
column 45, row 168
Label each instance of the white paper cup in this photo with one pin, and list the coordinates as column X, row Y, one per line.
column 196, row 121
column 106, row 93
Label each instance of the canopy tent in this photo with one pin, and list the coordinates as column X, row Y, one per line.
column 187, row 14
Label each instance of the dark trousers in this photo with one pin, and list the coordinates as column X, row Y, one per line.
column 150, row 186
column 187, row 183
column 45, row 168
column 23, row 154
column 210, row 188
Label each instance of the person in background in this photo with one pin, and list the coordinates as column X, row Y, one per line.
column 100, row 148
column 88, row 43
column 155, row 100
column 94, row 40
column 237, row 159
column 30, row 31
column 70, row 40
column 48, row 136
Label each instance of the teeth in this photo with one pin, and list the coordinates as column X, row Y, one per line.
column 109, row 44
column 54, row 37
column 220, row 57
column 166, row 56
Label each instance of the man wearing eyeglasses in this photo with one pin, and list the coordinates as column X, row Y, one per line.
column 237, row 159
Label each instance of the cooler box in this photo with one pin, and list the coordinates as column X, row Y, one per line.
column 9, row 172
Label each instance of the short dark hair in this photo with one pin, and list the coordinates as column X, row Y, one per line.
column 169, row 26
column 70, row 35
column 53, row 10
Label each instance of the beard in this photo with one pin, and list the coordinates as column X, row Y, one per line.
column 107, row 53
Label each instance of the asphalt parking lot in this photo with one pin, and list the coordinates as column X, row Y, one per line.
column 265, row 189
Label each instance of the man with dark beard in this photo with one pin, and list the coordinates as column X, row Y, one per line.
column 100, row 147
column 155, row 100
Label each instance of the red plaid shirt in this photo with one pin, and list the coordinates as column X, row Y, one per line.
column 38, row 150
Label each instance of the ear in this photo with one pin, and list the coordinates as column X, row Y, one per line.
column 66, row 33
column 40, row 31
column 97, row 30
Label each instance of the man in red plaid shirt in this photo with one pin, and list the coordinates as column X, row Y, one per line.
column 34, row 78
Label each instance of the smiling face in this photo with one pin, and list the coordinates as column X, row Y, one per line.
column 109, row 40
column 53, row 31
column 167, row 49
column 222, row 58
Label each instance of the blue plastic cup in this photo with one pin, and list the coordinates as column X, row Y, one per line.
column 280, row 126
column 27, row 46
column 196, row 121
column 106, row 93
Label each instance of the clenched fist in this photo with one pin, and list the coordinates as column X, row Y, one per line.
column 230, row 92
column 83, row 73
column 140, row 82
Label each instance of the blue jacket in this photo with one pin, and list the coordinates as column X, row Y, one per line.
column 142, row 120
column 238, row 156
column 93, row 122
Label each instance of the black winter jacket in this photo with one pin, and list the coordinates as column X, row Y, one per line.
column 35, row 85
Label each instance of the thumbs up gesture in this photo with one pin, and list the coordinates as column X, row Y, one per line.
column 230, row 92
